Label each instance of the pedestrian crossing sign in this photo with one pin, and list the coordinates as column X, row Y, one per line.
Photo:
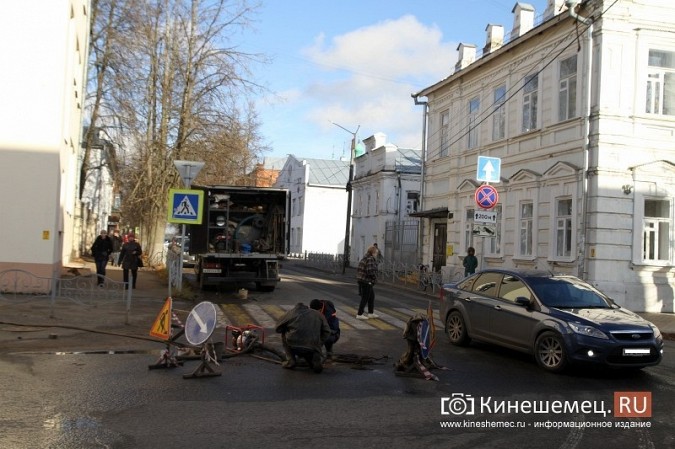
column 185, row 206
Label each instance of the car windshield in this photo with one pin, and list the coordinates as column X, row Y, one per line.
column 567, row 293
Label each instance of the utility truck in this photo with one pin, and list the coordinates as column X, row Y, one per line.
column 243, row 236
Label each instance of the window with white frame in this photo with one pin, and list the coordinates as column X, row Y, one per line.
column 526, row 228
column 468, row 228
column 567, row 93
column 499, row 114
column 530, row 100
column 656, row 231
column 495, row 242
column 474, row 106
column 563, row 228
column 445, row 134
column 661, row 83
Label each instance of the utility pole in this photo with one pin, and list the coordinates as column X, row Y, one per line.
column 345, row 262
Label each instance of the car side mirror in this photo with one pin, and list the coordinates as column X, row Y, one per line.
column 523, row 301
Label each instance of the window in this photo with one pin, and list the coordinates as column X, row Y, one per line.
column 487, row 284
column 656, row 231
column 567, row 95
column 301, row 205
column 661, row 83
column 445, row 134
column 513, row 288
column 530, row 103
column 563, row 228
column 468, row 230
column 495, row 243
column 293, row 208
column 474, row 106
column 499, row 115
column 526, row 231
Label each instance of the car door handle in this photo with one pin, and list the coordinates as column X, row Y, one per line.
column 497, row 307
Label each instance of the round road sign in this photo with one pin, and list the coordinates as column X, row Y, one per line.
column 486, row 196
column 200, row 323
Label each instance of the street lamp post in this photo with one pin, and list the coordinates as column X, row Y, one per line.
column 345, row 262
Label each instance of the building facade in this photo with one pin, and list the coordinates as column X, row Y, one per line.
column 318, row 204
column 386, row 190
column 44, row 62
column 578, row 105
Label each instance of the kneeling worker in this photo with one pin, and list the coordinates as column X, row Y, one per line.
column 303, row 332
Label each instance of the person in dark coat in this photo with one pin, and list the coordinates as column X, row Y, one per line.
column 470, row 262
column 366, row 276
column 303, row 332
column 130, row 257
column 101, row 250
column 327, row 309
column 116, row 247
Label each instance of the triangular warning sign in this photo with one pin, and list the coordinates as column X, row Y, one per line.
column 185, row 208
column 162, row 325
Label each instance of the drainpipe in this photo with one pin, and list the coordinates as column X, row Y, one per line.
column 582, row 270
column 425, row 110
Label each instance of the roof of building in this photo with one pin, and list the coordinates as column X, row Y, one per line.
column 328, row 171
column 409, row 160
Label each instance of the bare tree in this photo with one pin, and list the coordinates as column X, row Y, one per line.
column 175, row 91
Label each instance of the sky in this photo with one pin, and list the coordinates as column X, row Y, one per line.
column 342, row 67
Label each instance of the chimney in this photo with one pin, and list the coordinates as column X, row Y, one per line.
column 523, row 19
column 495, row 38
column 467, row 55
column 553, row 8
column 377, row 140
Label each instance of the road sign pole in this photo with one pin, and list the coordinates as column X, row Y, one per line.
column 188, row 171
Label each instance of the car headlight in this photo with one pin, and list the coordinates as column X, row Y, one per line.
column 657, row 332
column 588, row 331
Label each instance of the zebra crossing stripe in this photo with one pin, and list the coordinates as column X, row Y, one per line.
column 267, row 315
column 262, row 317
column 235, row 315
column 348, row 316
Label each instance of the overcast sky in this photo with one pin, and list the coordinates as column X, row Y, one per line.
column 356, row 63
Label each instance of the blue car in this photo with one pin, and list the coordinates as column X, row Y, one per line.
column 560, row 319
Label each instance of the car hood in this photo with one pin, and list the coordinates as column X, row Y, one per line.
column 609, row 318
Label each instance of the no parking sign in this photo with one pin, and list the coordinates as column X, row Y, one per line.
column 486, row 196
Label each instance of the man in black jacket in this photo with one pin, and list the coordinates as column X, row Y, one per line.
column 303, row 331
column 101, row 250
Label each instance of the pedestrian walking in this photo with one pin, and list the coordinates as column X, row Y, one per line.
column 101, row 250
column 116, row 247
column 470, row 262
column 366, row 276
column 130, row 259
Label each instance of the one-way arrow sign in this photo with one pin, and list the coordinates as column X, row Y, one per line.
column 489, row 169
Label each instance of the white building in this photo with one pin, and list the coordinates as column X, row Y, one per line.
column 318, row 204
column 386, row 189
column 44, row 59
column 580, row 109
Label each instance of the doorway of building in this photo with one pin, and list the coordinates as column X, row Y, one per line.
column 440, row 240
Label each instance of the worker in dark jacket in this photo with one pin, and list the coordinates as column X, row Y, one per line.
column 327, row 309
column 303, row 332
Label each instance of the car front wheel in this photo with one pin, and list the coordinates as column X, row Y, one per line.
column 455, row 328
column 549, row 350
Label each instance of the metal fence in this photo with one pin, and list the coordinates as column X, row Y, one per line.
column 20, row 287
column 408, row 275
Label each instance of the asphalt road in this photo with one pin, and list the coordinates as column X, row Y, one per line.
column 100, row 397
